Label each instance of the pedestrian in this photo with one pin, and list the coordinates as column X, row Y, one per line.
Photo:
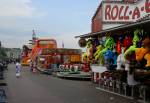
column 31, row 65
column 34, row 67
column 18, row 68
column 1, row 70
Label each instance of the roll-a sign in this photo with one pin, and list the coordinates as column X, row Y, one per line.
column 125, row 12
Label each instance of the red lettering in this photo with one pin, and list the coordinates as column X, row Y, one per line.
column 107, row 12
column 120, row 11
column 114, row 12
column 147, row 6
column 125, row 13
column 136, row 13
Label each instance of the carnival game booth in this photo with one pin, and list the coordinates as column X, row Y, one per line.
column 118, row 47
column 61, row 60
column 124, row 54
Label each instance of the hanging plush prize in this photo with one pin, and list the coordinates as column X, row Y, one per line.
column 118, row 47
column 109, row 43
column 82, row 42
column 143, row 53
column 134, row 41
column 127, row 41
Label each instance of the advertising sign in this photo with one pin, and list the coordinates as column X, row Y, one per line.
column 125, row 12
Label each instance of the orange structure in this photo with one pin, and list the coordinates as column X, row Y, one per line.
column 41, row 44
column 57, row 56
column 44, row 54
column 32, row 52
column 25, row 55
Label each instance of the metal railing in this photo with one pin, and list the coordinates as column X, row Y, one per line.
column 140, row 92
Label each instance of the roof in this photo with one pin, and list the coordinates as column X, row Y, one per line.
column 144, row 23
column 97, row 10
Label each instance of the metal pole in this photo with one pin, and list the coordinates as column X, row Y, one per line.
column 119, row 87
column 132, row 91
column 113, row 86
column 99, row 83
column 144, row 94
column 108, row 84
column 125, row 88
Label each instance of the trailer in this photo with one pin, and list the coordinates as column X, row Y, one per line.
column 51, row 58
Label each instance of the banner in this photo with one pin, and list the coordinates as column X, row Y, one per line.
column 125, row 12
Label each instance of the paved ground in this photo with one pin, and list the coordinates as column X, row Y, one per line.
column 38, row 88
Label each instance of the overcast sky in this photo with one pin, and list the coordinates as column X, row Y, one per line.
column 57, row 19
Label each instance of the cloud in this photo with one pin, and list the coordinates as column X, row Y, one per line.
column 12, row 41
column 69, row 40
column 15, row 21
column 19, row 17
column 19, row 8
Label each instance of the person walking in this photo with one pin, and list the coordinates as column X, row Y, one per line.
column 18, row 68
column 31, row 65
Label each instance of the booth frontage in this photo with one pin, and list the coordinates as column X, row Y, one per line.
column 120, row 56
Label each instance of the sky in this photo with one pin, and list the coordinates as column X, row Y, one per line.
column 61, row 20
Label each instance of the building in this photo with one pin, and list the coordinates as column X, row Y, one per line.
column 13, row 53
column 114, row 13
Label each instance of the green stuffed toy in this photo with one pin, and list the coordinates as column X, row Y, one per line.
column 109, row 43
column 97, row 54
column 135, row 40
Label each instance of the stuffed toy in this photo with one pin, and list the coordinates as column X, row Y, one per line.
column 118, row 47
column 97, row 55
column 119, row 44
column 89, row 50
column 88, row 55
column 142, row 56
column 110, row 59
column 121, row 60
column 143, row 53
column 127, row 42
column 135, row 40
column 109, row 43
column 129, row 53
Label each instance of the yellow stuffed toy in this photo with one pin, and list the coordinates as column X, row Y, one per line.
column 97, row 54
column 144, row 52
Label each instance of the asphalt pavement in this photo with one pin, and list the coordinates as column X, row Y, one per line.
column 40, row 88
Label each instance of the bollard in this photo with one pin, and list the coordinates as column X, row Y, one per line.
column 125, row 88
column 118, row 86
column 100, row 82
column 113, row 86
column 107, row 84
column 104, row 84
column 132, row 91
column 144, row 94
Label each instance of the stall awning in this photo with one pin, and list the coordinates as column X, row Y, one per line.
column 144, row 24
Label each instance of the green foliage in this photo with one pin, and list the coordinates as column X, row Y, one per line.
column 3, row 53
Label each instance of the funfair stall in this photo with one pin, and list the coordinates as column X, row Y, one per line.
column 123, row 49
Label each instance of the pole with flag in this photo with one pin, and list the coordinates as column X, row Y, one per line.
column 33, row 36
column 62, row 44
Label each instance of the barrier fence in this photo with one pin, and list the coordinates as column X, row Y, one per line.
column 138, row 92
